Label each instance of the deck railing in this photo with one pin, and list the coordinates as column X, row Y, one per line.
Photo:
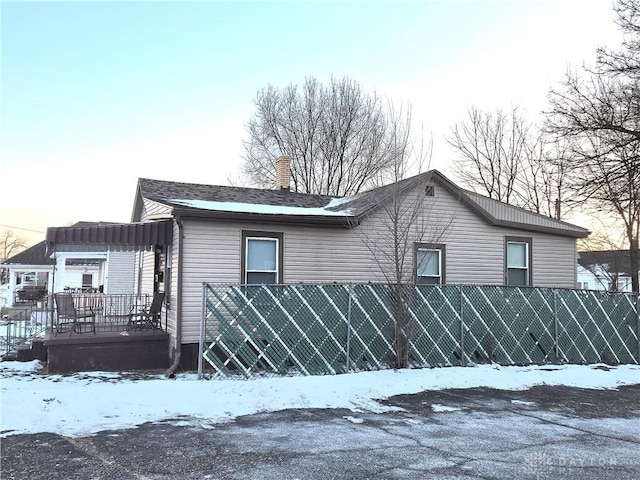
column 28, row 322
column 20, row 327
column 112, row 311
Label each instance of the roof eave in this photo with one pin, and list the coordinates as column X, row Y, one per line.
column 541, row 229
column 491, row 220
column 337, row 221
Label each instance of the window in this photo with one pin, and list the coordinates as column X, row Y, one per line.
column 87, row 280
column 261, row 258
column 429, row 262
column 518, row 261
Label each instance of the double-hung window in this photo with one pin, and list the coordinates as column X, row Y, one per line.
column 261, row 259
column 429, row 262
column 518, row 261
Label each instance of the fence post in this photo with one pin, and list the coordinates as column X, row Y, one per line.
column 638, row 324
column 201, row 344
column 8, row 338
column 461, row 327
column 556, row 347
column 350, row 293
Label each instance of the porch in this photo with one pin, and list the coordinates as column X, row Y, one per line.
column 107, row 350
column 31, row 333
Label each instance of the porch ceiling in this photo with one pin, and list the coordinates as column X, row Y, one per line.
column 118, row 236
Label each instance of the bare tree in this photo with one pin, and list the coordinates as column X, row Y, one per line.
column 336, row 135
column 506, row 157
column 600, row 112
column 405, row 218
column 491, row 146
column 10, row 244
column 541, row 181
column 627, row 60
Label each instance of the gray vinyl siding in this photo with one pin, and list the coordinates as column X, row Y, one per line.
column 151, row 208
column 475, row 249
column 474, row 254
column 145, row 259
column 212, row 252
column 121, row 272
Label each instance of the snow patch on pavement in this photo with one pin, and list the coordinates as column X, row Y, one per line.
column 89, row 402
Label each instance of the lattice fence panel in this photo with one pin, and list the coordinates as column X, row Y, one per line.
column 436, row 329
column 597, row 327
column 329, row 329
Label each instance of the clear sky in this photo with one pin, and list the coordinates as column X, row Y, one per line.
column 95, row 95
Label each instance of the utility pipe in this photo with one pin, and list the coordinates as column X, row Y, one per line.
column 177, row 350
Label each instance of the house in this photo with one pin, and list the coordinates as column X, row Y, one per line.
column 27, row 276
column 605, row 270
column 186, row 234
column 91, row 266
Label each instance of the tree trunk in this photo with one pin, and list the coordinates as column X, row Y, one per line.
column 402, row 318
column 634, row 263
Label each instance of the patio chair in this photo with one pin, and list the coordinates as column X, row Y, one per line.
column 147, row 318
column 69, row 318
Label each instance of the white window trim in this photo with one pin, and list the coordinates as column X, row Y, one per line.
column 527, row 267
column 439, row 276
column 246, row 258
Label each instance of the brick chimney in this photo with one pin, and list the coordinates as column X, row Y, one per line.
column 283, row 172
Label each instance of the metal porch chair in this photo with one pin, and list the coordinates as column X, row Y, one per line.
column 69, row 318
column 147, row 318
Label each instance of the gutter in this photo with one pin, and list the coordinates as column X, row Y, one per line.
column 177, row 350
column 337, row 221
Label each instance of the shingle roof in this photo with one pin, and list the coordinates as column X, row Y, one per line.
column 35, row 255
column 224, row 202
column 498, row 213
column 167, row 192
column 492, row 211
column 363, row 203
column 177, row 195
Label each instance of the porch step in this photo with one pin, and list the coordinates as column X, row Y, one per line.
column 36, row 351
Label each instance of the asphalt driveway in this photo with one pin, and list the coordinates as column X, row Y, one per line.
column 544, row 432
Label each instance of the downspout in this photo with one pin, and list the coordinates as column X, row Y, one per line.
column 177, row 350
column 52, row 287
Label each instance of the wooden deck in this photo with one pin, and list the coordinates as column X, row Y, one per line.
column 107, row 351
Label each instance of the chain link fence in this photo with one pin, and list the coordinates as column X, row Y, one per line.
column 311, row 329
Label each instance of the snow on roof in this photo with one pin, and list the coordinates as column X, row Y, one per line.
column 264, row 209
column 336, row 202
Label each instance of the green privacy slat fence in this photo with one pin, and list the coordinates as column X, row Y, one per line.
column 327, row 329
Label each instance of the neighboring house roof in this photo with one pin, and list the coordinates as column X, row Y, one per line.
column 283, row 206
column 35, row 255
column 616, row 261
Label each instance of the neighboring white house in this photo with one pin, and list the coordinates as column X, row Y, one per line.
column 98, row 268
column 606, row 270
column 30, row 270
column 105, row 271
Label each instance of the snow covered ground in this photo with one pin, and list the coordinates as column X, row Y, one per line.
column 86, row 403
